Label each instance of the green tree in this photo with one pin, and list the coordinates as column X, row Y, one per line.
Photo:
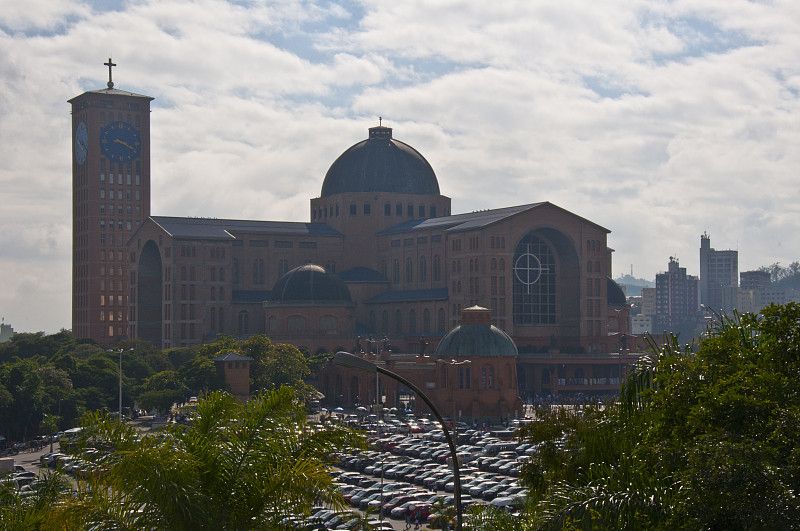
column 237, row 466
column 200, row 376
column 701, row 438
column 162, row 390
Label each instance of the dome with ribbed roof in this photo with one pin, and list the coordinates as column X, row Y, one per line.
column 380, row 164
column 310, row 283
column 476, row 336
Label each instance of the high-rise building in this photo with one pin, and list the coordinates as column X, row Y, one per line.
column 676, row 298
column 110, row 199
column 719, row 271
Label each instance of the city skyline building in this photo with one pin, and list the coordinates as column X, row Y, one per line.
column 719, row 273
column 676, row 298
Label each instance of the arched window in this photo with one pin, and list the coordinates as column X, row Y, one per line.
column 534, row 282
column 398, row 322
column 487, row 377
column 385, row 322
column 272, row 324
column 296, row 323
column 221, row 274
column 409, row 270
column 328, row 323
column 502, row 265
column 244, row 323
column 412, row 322
column 258, row 271
column 437, row 271
column 426, row 321
column 441, row 322
column 396, row 272
column 423, row 269
column 283, row 267
column 589, row 266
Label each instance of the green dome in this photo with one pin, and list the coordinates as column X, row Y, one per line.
column 476, row 336
column 380, row 164
column 308, row 284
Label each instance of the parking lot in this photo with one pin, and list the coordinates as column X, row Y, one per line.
column 408, row 471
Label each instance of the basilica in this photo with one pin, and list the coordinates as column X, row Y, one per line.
column 384, row 266
column 481, row 309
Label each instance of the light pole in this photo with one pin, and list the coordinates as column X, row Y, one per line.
column 120, row 351
column 345, row 359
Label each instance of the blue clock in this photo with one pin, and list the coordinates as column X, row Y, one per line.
column 81, row 143
column 120, row 142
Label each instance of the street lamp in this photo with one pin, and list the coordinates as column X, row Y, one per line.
column 120, row 351
column 345, row 359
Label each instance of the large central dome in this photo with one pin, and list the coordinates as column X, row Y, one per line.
column 380, row 164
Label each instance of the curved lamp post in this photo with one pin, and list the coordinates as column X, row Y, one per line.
column 345, row 359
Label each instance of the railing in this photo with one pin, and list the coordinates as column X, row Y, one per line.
column 589, row 382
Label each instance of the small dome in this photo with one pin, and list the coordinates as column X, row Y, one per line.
column 380, row 164
column 615, row 294
column 310, row 283
column 476, row 336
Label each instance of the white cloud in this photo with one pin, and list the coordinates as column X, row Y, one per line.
column 656, row 120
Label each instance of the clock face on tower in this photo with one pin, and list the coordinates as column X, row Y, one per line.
column 120, row 142
column 81, row 143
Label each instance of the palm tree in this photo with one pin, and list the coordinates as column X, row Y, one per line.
column 236, row 466
column 23, row 512
column 362, row 520
column 442, row 515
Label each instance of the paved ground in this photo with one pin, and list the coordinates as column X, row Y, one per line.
column 30, row 460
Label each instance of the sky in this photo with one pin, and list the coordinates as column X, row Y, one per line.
column 659, row 120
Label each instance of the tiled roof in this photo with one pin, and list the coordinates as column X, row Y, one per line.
column 228, row 229
column 473, row 220
column 470, row 220
column 409, row 295
column 362, row 274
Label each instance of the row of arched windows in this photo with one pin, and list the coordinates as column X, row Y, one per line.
column 408, row 272
column 190, row 273
column 299, row 323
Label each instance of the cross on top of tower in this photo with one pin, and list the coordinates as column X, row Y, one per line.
column 109, row 64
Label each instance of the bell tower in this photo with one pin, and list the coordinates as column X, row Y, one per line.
column 110, row 198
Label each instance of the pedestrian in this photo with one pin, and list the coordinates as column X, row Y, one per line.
column 408, row 518
column 417, row 518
